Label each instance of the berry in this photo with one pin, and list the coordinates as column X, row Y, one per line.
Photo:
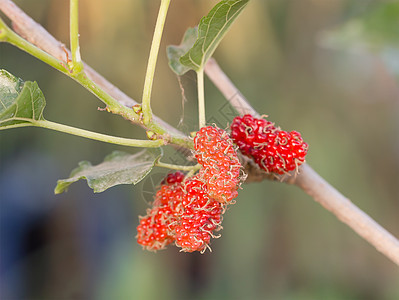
column 172, row 178
column 200, row 216
column 273, row 149
column 153, row 232
column 221, row 166
column 156, row 229
column 170, row 192
column 248, row 132
column 182, row 212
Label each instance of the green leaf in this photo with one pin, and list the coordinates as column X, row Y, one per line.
column 21, row 103
column 175, row 52
column 211, row 30
column 117, row 168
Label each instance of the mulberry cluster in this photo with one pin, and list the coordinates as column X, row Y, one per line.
column 273, row 149
column 189, row 211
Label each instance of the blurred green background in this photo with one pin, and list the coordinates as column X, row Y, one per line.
column 328, row 69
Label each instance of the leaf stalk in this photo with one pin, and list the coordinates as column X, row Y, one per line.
column 152, row 61
column 178, row 167
column 97, row 136
column 201, row 98
column 77, row 64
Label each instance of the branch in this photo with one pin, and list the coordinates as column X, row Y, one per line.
column 321, row 191
column 309, row 181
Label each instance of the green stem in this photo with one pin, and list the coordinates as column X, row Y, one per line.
column 173, row 139
column 97, row 136
column 19, row 125
column 201, row 98
column 112, row 105
column 178, row 167
column 152, row 61
column 77, row 64
column 7, row 35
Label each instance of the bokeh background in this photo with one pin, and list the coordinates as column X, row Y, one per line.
column 328, row 69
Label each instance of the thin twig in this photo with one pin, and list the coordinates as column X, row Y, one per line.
column 312, row 183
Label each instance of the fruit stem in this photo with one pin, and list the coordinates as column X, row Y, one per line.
column 177, row 167
column 201, row 98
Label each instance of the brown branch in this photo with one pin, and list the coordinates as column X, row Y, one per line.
column 312, row 183
column 321, row 191
column 307, row 179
